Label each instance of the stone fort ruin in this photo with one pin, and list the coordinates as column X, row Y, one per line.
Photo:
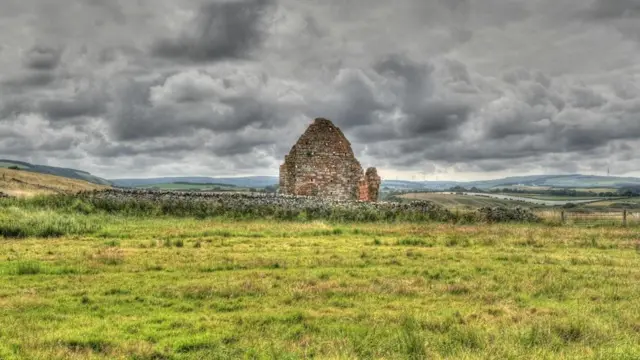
column 322, row 164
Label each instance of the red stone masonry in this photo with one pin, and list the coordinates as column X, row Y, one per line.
column 322, row 163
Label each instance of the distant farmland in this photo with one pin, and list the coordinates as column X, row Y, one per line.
column 462, row 201
column 185, row 186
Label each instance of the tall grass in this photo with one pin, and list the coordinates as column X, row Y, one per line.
column 21, row 223
column 28, row 268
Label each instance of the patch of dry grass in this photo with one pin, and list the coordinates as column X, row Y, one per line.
column 21, row 183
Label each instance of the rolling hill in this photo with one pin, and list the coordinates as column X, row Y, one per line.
column 52, row 170
column 575, row 181
column 27, row 183
column 561, row 181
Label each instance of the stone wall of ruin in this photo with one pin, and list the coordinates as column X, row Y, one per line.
column 373, row 184
column 322, row 163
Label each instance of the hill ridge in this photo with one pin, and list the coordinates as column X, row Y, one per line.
column 28, row 183
column 57, row 171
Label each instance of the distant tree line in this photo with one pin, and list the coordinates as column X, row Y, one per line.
column 461, row 189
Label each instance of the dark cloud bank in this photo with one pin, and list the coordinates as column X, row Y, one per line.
column 161, row 87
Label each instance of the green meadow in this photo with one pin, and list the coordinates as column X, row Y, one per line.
column 98, row 286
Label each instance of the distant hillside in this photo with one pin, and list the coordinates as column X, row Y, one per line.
column 417, row 185
column 561, row 181
column 26, row 183
column 550, row 181
column 249, row 182
column 52, row 170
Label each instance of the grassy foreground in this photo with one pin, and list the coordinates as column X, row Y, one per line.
column 112, row 287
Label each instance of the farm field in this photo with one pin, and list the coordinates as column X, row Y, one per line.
column 633, row 200
column 135, row 287
column 558, row 198
column 452, row 201
column 193, row 187
column 537, row 202
column 630, row 203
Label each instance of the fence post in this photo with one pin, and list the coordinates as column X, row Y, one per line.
column 624, row 217
column 562, row 219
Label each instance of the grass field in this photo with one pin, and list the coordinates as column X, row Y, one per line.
column 595, row 190
column 25, row 184
column 557, row 198
column 115, row 287
column 466, row 202
column 462, row 201
column 199, row 187
column 621, row 203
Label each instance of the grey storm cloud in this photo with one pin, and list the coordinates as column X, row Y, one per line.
column 166, row 108
column 224, row 87
column 622, row 15
column 220, row 30
column 60, row 109
column 610, row 9
column 42, row 58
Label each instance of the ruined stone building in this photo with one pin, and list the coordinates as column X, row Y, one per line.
column 322, row 164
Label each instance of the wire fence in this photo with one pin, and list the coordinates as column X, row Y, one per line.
column 620, row 218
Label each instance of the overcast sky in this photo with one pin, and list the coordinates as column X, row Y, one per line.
column 458, row 89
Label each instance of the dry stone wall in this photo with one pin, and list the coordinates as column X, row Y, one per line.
column 323, row 164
